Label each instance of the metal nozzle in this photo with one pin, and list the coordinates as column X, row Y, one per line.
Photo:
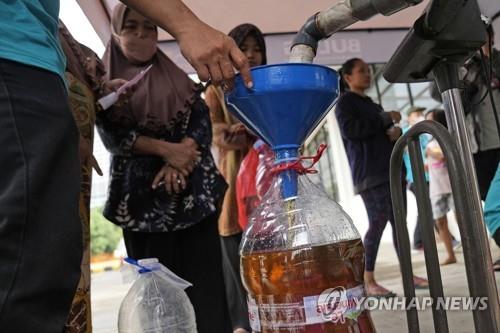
column 339, row 16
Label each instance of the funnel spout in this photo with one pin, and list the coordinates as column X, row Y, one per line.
column 339, row 16
column 286, row 154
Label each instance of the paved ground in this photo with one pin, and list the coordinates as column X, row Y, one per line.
column 455, row 284
column 108, row 291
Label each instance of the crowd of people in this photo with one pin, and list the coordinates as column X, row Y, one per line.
column 369, row 133
column 185, row 174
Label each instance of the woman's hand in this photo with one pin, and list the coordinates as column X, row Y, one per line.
column 172, row 179
column 113, row 85
column 237, row 128
column 182, row 156
column 394, row 133
column 396, row 116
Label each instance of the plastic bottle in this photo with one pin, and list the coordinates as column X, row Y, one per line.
column 302, row 263
column 156, row 302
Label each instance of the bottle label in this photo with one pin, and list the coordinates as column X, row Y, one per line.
column 253, row 314
column 334, row 305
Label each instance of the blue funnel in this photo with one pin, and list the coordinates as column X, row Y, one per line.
column 284, row 106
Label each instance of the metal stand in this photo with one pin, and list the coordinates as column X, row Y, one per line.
column 477, row 256
column 424, row 211
column 448, row 33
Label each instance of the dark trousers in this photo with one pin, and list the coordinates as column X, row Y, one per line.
column 379, row 208
column 235, row 292
column 194, row 254
column 40, row 231
column 417, row 234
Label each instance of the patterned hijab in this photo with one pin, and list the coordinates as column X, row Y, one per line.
column 161, row 95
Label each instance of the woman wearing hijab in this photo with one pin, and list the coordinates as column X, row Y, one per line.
column 232, row 142
column 165, row 191
column 84, row 77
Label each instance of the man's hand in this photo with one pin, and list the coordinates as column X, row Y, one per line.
column 213, row 55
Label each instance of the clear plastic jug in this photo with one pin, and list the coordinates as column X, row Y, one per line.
column 302, row 263
column 156, row 302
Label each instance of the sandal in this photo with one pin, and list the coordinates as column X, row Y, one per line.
column 420, row 283
column 388, row 294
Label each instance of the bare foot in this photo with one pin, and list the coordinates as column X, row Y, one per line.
column 448, row 261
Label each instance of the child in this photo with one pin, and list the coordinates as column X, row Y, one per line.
column 440, row 189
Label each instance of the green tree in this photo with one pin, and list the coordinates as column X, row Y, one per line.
column 104, row 235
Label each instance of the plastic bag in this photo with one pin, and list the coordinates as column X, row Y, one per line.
column 264, row 176
column 156, row 302
column 254, row 179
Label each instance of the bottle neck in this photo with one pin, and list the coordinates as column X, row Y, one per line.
column 286, row 154
column 289, row 178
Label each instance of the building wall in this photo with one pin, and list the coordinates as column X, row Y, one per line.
column 375, row 46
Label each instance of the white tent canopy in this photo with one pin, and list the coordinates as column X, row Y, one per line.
column 271, row 16
column 374, row 40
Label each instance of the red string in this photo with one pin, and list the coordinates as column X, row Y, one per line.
column 297, row 165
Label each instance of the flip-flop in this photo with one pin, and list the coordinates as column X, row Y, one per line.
column 421, row 286
column 388, row 294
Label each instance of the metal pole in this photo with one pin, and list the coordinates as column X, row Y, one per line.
column 454, row 110
column 475, row 227
column 403, row 240
column 428, row 238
